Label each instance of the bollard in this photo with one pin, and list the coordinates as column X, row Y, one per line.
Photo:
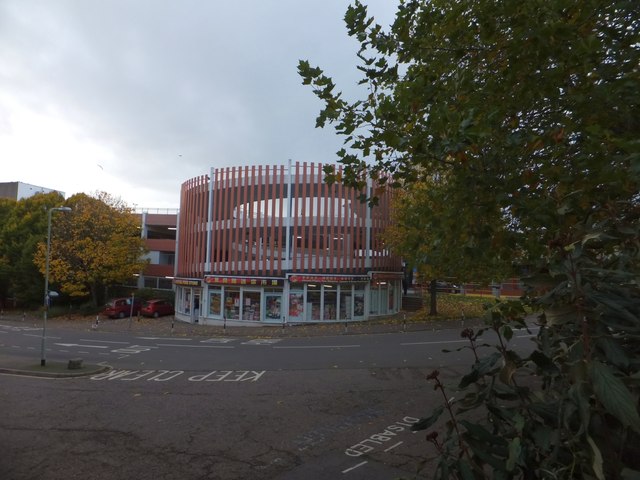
column 346, row 326
column 404, row 322
column 74, row 364
column 283, row 320
column 224, row 326
column 24, row 316
column 172, row 320
column 462, row 319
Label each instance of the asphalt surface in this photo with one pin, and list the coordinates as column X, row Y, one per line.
column 169, row 327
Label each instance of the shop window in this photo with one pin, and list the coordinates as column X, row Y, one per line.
column 296, row 305
column 358, row 303
column 374, row 303
column 314, row 302
column 330, row 305
column 346, row 302
column 273, row 306
column 186, row 301
column 232, row 304
column 215, row 302
column 251, row 305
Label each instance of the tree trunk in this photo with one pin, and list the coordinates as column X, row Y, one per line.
column 433, row 305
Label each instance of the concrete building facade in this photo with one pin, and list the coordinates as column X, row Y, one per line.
column 158, row 229
column 19, row 190
column 277, row 244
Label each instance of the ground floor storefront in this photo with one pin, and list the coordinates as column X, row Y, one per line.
column 293, row 299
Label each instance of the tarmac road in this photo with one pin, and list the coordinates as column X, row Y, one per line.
column 283, row 406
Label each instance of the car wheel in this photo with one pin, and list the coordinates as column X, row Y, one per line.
column 156, row 314
column 121, row 315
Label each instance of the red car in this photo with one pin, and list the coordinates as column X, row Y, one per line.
column 157, row 308
column 121, row 307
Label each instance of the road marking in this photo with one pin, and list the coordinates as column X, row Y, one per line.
column 318, row 346
column 101, row 341
column 376, row 440
column 78, row 345
column 262, row 341
column 218, row 340
column 166, row 375
column 436, row 343
column 355, row 466
column 193, row 346
column 394, row 446
column 40, row 336
column 165, row 338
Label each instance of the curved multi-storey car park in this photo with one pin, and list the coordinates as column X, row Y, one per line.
column 278, row 244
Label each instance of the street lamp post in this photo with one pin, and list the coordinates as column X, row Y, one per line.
column 43, row 355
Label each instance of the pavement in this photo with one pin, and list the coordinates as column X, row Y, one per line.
column 168, row 326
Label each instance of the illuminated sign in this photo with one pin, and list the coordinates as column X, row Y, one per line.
column 186, row 282
column 258, row 282
column 326, row 279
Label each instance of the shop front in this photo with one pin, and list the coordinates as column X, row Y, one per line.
column 188, row 299
column 295, row 299
column 384, row 293
column 243, row 299
column 326, row 298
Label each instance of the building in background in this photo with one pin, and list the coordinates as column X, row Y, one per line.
column 267, row 244
column 19, row 190
column 158, row 229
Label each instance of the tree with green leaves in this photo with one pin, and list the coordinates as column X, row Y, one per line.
column 95, row 245
column 514, row 127
column 23, row 224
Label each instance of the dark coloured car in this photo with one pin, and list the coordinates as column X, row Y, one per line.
column 157, row 308
column 121, row 307
column 447, row 287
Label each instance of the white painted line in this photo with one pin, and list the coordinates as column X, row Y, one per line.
column 262, row 341
column 444, row 342
column 193, row 346
column 166, row 338
column 394, row 446
column 355, row 466
column 78, row 345
column 319, row 346
column 100, row 341
column 40, row 336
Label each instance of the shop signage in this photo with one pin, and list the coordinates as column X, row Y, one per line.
column 327, row 279
column 261, row 282
column 186, row 282
column 386, row 276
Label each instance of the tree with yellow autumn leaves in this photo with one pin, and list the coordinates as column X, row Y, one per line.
column 95, row 245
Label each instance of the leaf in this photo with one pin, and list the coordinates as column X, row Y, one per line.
column 465, row 470
column 597, row 459
column 614, row 395
column 480, row 368
column 514, row 453
column 478, row 432
column 426, row 422
column 628, row 474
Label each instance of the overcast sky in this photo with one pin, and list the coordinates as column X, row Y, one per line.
column 134, row 97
